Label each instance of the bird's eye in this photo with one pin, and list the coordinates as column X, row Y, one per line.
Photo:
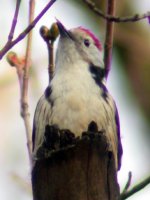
column 87, row 42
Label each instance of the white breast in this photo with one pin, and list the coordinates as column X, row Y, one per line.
column 78, row 101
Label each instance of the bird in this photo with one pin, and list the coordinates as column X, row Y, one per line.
column 77, row 94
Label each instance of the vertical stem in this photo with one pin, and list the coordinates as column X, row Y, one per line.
column 23, row 34
column 14, row 22
column 51, row 60
column 24, row 97
column 50, row 47
column 109, row 36
column 20, row 75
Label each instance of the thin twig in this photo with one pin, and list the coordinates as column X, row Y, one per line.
column 24, row 95
column 18, row 63
column 135, row 189
column 133, row 18
column 49, row 36
column 128, row 183
column 22, row 35
column 51, row 67
column 109, row 37
column 21, row 182
column 14, row 22
column 50, row 47
column 53, row 34
column 19, row 70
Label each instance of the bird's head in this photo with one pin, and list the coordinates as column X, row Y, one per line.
column 78, row 45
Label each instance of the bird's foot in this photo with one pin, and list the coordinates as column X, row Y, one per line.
column 54, row 141
column 67, row 138
column 42, row 153
column 51, row 138
column 93, row 132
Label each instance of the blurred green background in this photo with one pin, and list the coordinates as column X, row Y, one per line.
column 128, row 82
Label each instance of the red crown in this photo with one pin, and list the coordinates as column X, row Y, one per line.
column 95, row 39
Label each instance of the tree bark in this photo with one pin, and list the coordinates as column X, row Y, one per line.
column 85, row 171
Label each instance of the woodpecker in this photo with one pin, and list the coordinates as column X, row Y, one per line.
column 77, row 94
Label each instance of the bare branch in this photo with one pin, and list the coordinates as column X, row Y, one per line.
column 53, row 33
column 133, row 18
column 128, row 182
column 18, row 63
column 24, row 95
column 109, row 37
column 135, row 189
column 51, row 61
column 22, row 35
column 14, row 22
column 49, row 36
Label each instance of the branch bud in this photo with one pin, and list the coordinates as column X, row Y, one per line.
column 45, row 33
column 15, row 61
column 54, row 32
column 12, row 58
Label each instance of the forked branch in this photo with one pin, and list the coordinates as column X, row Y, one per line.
column 126, row 194
column 24, row 90
column 14, row 22
column 109, row 17
column 22, row 35
column 23, row 64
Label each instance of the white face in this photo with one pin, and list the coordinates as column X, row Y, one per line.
column 81, row 48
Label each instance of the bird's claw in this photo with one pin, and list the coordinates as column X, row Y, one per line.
column 92, row 132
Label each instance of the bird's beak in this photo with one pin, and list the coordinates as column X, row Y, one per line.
column 63, row 31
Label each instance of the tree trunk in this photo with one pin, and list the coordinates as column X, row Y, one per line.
column 85, row 171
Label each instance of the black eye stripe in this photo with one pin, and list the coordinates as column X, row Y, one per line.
column 86, row 42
